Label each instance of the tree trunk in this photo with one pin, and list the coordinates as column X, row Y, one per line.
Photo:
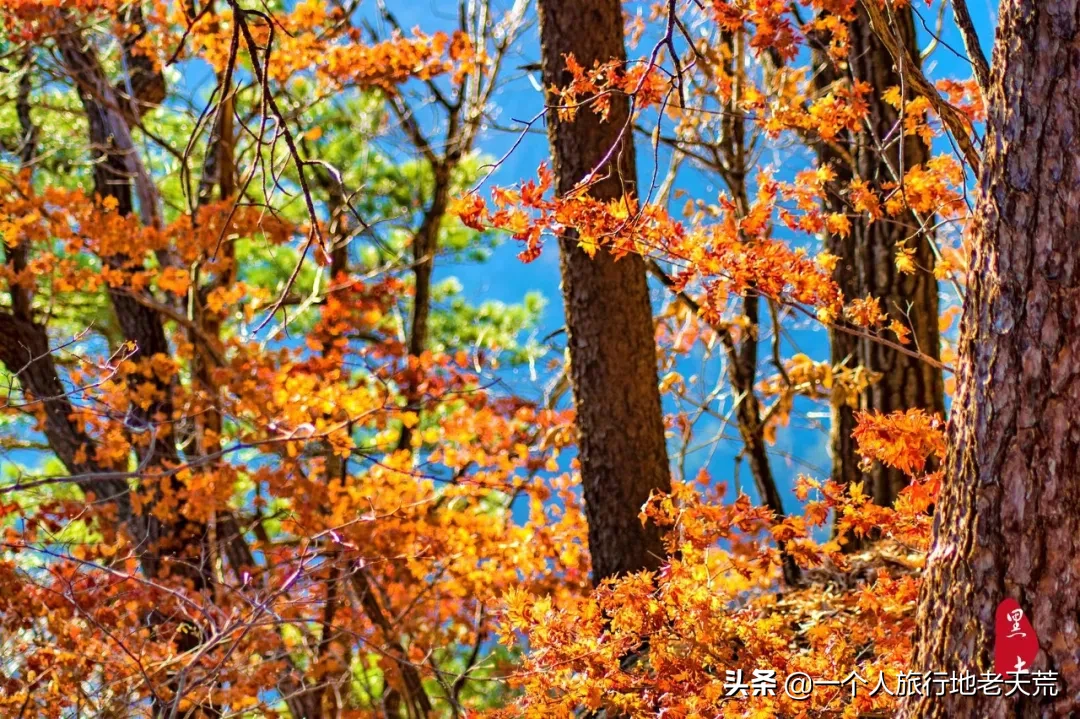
column 867, row 264
column 116, row 168
column 608, row 315
column 173, row 545
column 1008, row 520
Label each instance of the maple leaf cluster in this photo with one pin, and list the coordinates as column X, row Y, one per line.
column 668, row 643
column 731, row 255
column 316, row 41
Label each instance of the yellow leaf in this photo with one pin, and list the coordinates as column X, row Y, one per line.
column 588, row 244
column 905, row 259
column 669, row 380
column 892, row 96
column 838, row 224
column 827, row 260
column 826, row 315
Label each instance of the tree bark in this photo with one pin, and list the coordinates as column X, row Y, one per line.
column 609, row 320
column 1008, row 520
column 867, row 265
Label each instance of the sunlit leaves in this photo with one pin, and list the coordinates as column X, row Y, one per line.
column 730, row 255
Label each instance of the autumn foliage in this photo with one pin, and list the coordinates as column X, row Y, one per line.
column 289, row 510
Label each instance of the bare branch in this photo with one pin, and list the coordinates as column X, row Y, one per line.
column 971, row 42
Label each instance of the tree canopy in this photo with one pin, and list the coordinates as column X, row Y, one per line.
column 294, row 424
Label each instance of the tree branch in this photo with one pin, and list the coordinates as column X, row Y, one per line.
column 971, row 43
column 909, row 70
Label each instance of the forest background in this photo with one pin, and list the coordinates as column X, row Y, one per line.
column 290, row 424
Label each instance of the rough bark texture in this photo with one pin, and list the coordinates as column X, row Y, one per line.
column 867, row 264
column 608, row 314
column 1008, row 521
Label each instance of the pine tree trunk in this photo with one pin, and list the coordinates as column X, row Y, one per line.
column 867, row 265
column 608, row 314
column 1008, row 521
